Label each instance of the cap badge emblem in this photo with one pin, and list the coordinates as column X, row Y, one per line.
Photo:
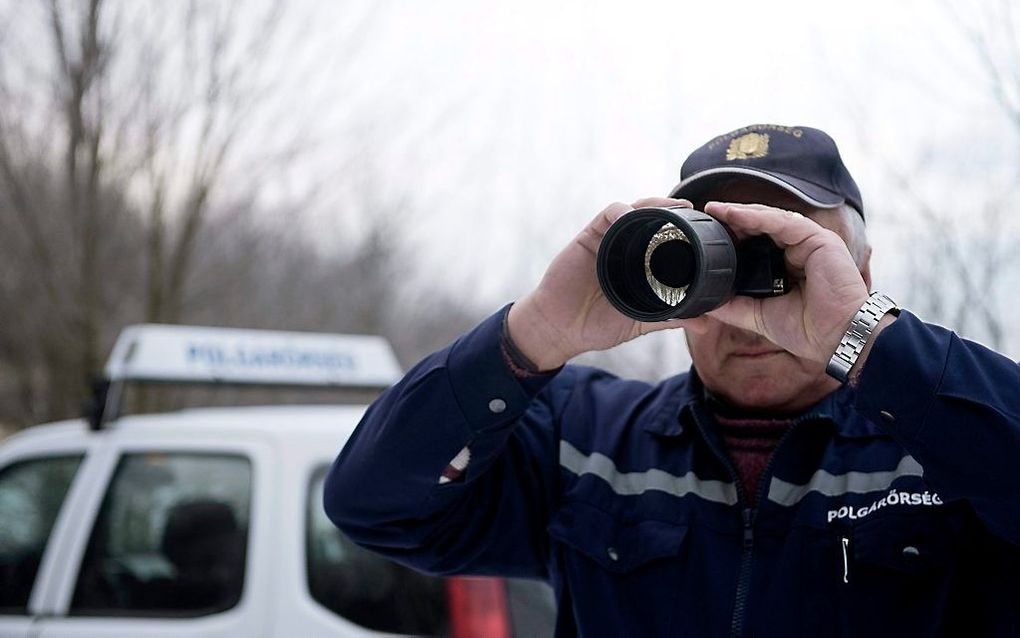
column 750, row 146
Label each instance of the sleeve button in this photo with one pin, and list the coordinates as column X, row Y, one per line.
column 910, row 552
column 497, row 406
column 887, row 416
column 613, row 556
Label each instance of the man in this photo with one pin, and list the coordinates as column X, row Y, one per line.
column 757, row 494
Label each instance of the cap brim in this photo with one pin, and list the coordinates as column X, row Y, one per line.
column 809, row 193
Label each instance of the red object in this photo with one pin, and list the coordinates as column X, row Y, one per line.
column 478, row 607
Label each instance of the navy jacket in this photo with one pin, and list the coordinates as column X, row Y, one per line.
column 889, row 509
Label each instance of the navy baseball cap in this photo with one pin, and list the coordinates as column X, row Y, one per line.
column 801, row 160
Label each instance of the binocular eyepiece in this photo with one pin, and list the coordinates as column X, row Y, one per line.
column 656, row 264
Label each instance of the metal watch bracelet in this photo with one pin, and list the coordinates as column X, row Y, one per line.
column 858, row 335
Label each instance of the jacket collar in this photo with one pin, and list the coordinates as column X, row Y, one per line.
column 684, row 393
column 680, row 394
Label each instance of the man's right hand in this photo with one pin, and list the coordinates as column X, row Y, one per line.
column 567, row 314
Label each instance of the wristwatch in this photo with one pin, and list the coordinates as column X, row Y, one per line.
column 858, row 335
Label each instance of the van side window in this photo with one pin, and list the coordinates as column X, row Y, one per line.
column 31, row 493
column 170, row 539
column 365, row 588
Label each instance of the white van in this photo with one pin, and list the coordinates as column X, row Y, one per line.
column 209, row 522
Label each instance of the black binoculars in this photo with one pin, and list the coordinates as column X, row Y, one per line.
column 656, row 264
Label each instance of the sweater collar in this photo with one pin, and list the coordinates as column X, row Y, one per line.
column 685, row 393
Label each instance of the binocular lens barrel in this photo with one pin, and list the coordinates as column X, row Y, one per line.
column 656, row 264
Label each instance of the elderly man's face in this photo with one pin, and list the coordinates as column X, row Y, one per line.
column 744, row 369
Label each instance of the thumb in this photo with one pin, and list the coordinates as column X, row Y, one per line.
column 741, row 312
column 697, row 325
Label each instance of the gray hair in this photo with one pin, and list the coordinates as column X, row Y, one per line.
column 857, row 235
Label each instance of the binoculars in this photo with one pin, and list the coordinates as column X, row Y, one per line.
column 656, row 264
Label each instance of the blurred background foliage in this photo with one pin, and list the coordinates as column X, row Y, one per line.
column 171, row 162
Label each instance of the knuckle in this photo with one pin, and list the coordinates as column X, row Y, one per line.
column 614, row 211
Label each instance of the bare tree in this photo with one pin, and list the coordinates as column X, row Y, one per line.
column 972, row 252
column 993, row 32
column 950, row 200
column 124, row 126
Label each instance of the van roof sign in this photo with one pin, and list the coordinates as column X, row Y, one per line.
column 189, row 354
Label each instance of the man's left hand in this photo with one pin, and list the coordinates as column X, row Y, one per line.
column 828, row 288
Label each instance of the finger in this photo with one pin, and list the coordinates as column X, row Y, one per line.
column 665, row 202
column 785, row 226
column 656, row 326
column 591, row 236
column 610, row 214
column 697, row 325
column 741, row 312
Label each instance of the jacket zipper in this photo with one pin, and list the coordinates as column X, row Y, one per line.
column 744, row 579
column 749, row 514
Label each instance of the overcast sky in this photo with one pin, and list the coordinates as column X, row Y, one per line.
column 511, row 124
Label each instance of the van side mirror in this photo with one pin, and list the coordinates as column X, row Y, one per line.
column 94, row 407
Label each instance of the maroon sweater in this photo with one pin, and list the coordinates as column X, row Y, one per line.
column 751, row 443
